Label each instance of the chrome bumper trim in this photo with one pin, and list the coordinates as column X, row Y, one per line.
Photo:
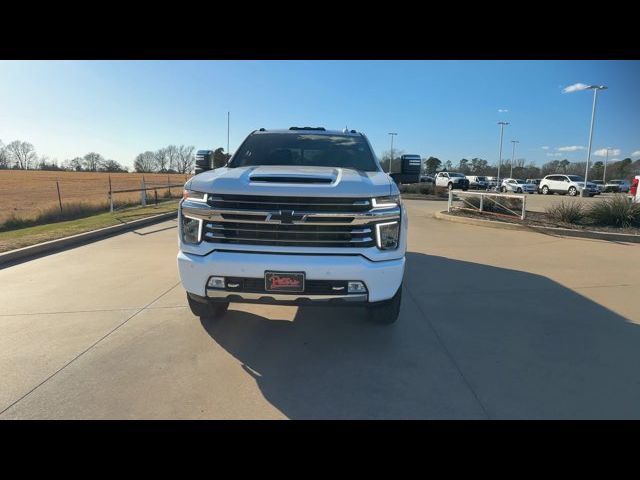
column 283, row 297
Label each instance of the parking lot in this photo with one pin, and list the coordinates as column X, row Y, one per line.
column 494, row 324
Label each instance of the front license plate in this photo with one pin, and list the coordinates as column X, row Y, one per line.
column 284, row 281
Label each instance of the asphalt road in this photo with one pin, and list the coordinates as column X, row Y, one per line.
column 494, row 324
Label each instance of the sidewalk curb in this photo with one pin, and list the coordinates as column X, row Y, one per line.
column 25, row 253
column 566, row 232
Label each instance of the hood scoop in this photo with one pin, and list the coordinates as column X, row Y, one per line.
column 289, row 179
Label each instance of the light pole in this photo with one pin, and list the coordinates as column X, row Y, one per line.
column 513, row 156
column 502, row 124
column 228, row 120
column 393, row 134
column 604, row 175
column 595, row 89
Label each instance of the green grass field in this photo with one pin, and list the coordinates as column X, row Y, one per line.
column 23, row 237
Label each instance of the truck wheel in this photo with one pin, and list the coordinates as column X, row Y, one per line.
column 386, row 312
column 450, row 186
column 545, row 190
column 207, row 310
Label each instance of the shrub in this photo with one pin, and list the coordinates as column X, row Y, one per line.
column 423, row 188
column 616, row 211
column 567, row 212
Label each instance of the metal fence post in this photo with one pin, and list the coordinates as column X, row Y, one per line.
column 524, row 207
column 143, row 194
column 59, row 199
column 450, row 200
column 110, row 196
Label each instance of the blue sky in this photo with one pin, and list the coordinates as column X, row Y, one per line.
column 447, row 109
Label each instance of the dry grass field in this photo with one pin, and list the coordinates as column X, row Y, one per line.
column 24, row 194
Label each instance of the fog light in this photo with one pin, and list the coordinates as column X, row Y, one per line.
column 387, row 235
column 191, row 229
column 356, row 287
column 216, row 282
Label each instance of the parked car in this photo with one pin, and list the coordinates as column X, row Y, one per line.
column 517, row 185
column 492, row 182
column 600, row 185
column 566, row 184
column 452, row 180
column 427, row 179
column 303, row 216
column 535, row 181
column 617, row 186
column 478, row 182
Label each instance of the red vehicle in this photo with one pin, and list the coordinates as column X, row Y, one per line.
column 634, row 189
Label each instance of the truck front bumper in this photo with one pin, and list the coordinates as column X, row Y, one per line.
column 382, row 279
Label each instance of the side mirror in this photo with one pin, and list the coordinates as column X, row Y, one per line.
column 204, row 161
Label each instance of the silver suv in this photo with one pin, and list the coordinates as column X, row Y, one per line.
column 566, row 184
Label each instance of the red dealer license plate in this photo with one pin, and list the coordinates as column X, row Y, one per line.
column 284, row 281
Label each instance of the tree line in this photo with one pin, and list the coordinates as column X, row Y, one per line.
column 170, row 159
column 621, row 169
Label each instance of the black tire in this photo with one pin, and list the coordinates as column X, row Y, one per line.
column 450, row 186
column 387, row 312
column 519, row 190
column 573, row 191
column 545, row 190
column 207, row 311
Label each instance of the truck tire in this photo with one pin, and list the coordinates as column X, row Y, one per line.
column 386, row 312
column 207, row 311
column 450, row 186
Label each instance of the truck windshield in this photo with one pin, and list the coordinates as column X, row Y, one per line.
column 305, row 149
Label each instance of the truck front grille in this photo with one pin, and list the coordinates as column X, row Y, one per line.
column 289, row 221
column 311, row 287
column 289, row 235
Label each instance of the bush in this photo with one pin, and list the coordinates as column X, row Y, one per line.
column 423, row 188
column 513, row 204
column 567, row 212
column 616, row 211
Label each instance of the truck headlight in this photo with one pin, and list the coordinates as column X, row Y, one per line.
column 387, row 235
column 191, row 229
column 386, row 202
column 194, row 196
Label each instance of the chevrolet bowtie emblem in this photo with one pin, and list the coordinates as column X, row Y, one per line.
column 286, row 216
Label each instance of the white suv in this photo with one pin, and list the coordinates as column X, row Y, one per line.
column 566, row 184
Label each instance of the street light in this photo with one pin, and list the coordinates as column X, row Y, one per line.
column 391, row 159
column 604, row 175
column 513, row 156
column 502, row 124
column 595, row 89
column 228, row 120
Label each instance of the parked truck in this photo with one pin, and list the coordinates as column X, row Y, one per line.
column 302, row 216
column 407, row 169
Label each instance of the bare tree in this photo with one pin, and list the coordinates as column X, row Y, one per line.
column 92, row 161
column 144, row 162
column 172, row 155
column 4, row 156
column 161, row 160
column 22, row 154
column 185, row 159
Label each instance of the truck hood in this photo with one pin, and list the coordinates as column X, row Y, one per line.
column 293, row 181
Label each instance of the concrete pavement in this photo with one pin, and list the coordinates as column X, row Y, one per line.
column 494, row 324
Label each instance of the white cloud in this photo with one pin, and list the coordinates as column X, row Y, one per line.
column 612, row 151
column 503, row 110
column 545, row 147
column 572, row 148
column 634, row 154
column 576, row 87
column 554, row 155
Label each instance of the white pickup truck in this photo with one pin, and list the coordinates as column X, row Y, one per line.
column 302, row 216
column 452, row 180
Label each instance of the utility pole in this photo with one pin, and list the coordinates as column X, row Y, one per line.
column 604, row 175
column 595, row 89
column 391, row 159
column 502, row 124
column 513, row 156
column 228, row 121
